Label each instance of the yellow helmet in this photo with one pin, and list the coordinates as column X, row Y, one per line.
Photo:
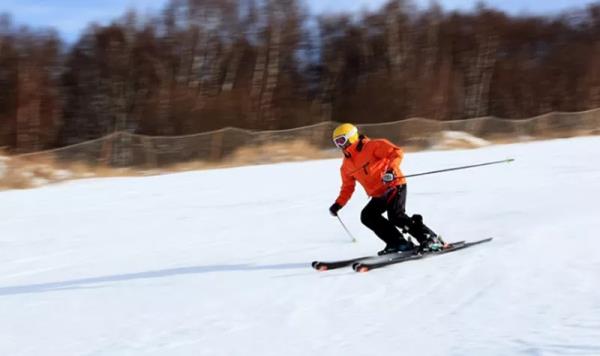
column 345, row 135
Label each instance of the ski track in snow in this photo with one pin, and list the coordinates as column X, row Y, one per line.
column 218, row 262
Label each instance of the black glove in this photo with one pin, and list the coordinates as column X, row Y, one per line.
column 333, row 210
column 389, row 176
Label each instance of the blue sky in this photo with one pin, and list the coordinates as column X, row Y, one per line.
column 69, row 17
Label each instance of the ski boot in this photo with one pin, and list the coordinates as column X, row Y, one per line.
column 432, row 243
column 428, row 240
column 400, row 247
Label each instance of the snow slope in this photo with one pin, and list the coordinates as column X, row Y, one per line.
column 217, row 262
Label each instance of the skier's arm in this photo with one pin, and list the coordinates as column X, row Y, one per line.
column 348, row 185
column 386, row 150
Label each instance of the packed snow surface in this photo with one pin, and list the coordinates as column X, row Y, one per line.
column 218, row 262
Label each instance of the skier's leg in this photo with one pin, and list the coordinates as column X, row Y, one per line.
column 396, row 199
column 428, row 240
column 372, row 217
column 413, row 225
column 420, row 229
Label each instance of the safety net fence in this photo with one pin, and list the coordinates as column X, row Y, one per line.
column 234, row 146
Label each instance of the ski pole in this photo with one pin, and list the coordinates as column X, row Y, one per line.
column 457, row 168
column 345, row 228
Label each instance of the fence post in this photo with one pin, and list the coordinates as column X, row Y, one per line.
column 216, row 147
column 149, row 152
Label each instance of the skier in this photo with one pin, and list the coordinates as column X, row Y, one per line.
column 375, row 164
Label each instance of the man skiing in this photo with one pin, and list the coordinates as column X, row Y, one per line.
column 375, row 164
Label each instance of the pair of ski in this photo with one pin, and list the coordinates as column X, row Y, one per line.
column 367, row 263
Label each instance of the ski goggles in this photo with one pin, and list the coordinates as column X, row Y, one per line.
column 340, row 141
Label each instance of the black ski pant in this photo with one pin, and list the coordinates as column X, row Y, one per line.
column 393, row 202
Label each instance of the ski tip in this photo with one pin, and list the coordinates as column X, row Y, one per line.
column 319, row 266
column 322, row 268
column 358, row 267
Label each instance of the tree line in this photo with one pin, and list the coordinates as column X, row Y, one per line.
column 200, row 65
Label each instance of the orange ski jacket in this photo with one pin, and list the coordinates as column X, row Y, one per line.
column 366, row 161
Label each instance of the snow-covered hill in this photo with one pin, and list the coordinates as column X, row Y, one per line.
column 217, row 262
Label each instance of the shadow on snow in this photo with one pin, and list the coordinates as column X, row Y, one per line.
column 90, row 283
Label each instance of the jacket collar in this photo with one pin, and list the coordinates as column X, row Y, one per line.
column 356, row 146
